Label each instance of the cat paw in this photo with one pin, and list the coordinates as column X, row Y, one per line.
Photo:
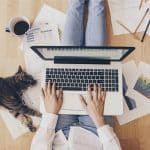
column 33, row 129
column 39, row 114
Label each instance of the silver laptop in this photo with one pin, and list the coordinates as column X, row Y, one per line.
column 73, row 68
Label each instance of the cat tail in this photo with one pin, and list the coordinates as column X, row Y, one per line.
column 29, row 111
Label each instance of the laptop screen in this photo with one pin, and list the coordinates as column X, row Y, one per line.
column 104, row 53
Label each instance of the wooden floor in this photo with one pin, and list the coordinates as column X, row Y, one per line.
column 133, row 136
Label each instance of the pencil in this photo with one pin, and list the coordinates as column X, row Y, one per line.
column 142, row 40
column 141, row 4
column 147, row 10
column 126, row 28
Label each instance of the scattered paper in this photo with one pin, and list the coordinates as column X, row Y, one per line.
column 14, row 126
column 52, row 16
column 142, row 108
column 34, row 65
column 44, row 33
column 33, row 62
column 130, row 77
column 128, row 13
column 144, row 69
column 142, row 102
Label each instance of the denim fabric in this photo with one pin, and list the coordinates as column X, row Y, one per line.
column 74, row 31
column 66, row 121
column 95, row 32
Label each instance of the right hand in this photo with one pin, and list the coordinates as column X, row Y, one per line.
column 94, row 105
column 52, row 100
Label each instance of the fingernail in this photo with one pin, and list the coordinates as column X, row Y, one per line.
column 80, row 96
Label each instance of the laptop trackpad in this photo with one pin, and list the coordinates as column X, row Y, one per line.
column 72, row 104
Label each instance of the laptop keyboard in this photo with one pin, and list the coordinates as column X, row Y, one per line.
column 79, row 79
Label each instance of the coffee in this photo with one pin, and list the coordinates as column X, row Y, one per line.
column 21, row 27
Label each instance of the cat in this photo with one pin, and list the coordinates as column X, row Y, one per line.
column 11, row 91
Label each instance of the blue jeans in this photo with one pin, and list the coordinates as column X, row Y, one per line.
column 76, row 35
column 95, row 32
column 66, row 121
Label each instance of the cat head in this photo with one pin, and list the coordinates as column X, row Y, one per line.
column 24, row 79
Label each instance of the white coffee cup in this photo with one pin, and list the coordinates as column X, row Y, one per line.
column 18, row 25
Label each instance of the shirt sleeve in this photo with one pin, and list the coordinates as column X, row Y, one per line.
column 44, row 137
column 108, row 138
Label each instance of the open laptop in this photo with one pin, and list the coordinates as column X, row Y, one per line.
column 74, row 68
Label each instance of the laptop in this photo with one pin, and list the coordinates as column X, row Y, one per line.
column 73, row 68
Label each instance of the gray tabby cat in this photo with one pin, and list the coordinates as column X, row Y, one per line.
column 11, row 90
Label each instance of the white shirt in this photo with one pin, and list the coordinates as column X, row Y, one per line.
column 79, row 138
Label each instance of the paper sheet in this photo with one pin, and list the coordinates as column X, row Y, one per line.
column 34, row 64
column 142, row 103
column 128, row 69
column 44, row 33
column 142, row 108
column 144, row 69
column 14, row 126
column 128, row 13
column 51, row 15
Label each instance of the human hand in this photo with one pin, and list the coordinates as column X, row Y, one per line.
column 95, row 105
column 52, row 100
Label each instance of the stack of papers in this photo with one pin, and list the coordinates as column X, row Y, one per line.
column 129, row 14
column 138, row 82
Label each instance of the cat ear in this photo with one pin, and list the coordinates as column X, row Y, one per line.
column 20, row 69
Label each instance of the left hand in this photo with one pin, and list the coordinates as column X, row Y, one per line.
column 52, row 100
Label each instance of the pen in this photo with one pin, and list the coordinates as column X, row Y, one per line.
column 141, row 4
column 145, row 31
column 46, row 31
column 146, row 12
column 127, row 29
